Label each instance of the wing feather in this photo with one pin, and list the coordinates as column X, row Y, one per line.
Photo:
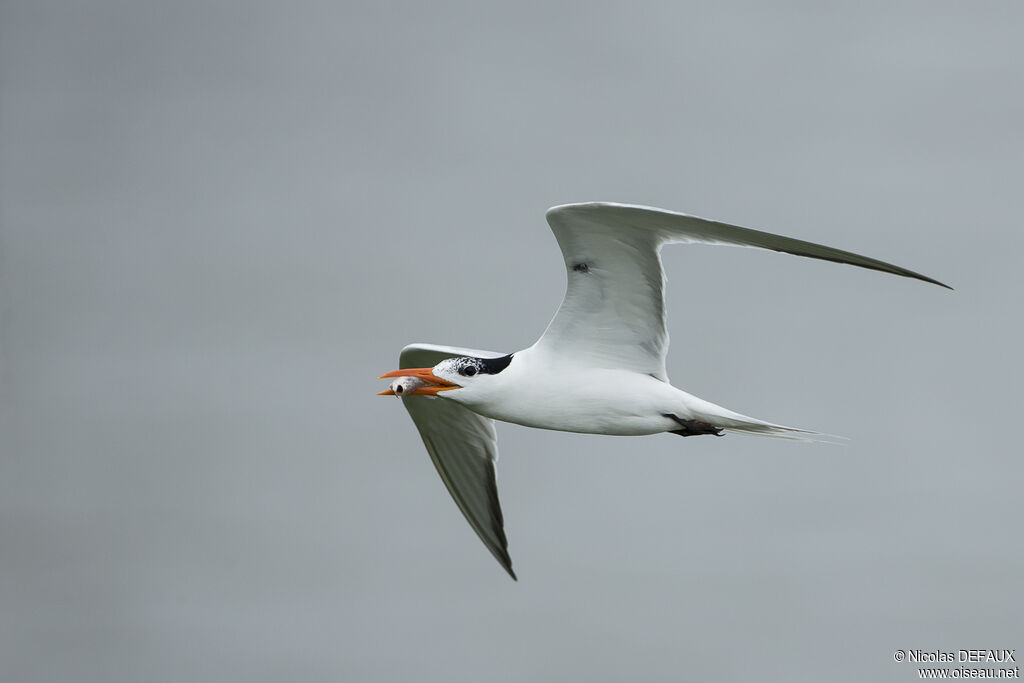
column 613, row 313
column 464, row 449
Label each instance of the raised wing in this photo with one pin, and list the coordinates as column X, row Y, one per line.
column 463, row 447
column 613, row 314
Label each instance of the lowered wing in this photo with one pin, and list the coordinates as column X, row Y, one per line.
column 613, row 313
column 463, row 447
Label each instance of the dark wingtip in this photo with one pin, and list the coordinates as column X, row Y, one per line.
column 917, row 276
column 925, row 278
column 508, row 567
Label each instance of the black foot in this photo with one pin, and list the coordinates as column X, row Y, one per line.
column 695, row 427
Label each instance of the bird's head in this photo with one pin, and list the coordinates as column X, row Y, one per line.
column 460, row 372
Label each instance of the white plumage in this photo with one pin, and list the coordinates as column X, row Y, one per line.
column 598, row 368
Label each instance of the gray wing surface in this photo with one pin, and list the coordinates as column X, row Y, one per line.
column 464, row 449
column 613, row 313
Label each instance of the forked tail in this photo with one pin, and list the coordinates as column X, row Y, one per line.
column 774, row 431
column 719, row 418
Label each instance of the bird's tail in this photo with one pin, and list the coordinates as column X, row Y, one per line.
column 737, row 423
column 774, row 431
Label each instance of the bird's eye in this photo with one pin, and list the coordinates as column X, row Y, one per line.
column 469, row 370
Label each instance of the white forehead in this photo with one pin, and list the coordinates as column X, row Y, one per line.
column 448, row 365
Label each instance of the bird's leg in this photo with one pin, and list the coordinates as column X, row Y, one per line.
column 694, row 427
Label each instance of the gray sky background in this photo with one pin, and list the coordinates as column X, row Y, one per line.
column 221, row 222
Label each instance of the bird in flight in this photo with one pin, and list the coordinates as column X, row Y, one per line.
column 599, row 367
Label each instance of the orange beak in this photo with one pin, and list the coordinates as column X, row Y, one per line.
column 436, row 385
